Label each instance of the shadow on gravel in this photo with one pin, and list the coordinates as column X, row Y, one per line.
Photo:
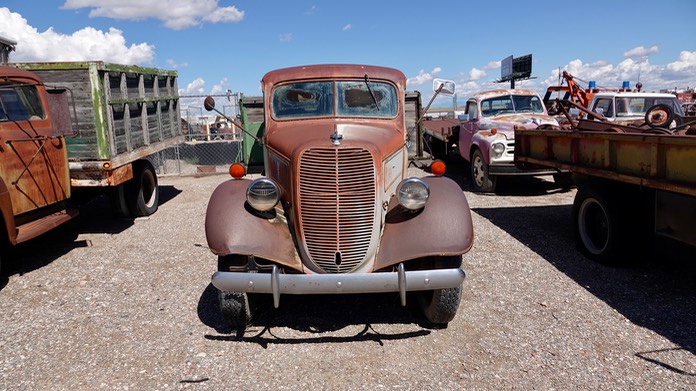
column 523, row 185
column 96, row 216
column 316, row 315
column 657, row 292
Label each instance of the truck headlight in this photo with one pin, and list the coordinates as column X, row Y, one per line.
column 498, row 149
column 413, row 193
column 263, row 194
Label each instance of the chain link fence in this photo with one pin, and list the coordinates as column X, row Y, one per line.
column 200, row 154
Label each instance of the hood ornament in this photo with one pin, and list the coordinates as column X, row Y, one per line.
column 336, row 137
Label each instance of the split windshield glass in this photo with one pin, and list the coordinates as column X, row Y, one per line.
column 334, row 98
column 511, row 104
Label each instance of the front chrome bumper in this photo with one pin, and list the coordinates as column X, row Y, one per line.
column 308, row 284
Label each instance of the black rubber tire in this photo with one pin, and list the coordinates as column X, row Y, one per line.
column 440, row 306
column 235, row 310
column 598, row 227
column 117, row 195
column 142, row 192
column 480, row 179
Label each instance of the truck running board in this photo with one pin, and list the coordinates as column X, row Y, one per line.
column 35, row 228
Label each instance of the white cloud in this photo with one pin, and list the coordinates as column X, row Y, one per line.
column 82, row 45
column 312, row 10
column 347, row 27
column 174, row 65
column 175, row 14
column 476, row 74
column 220, row 87
column 641, row 51
column 423, row 77
column 196, row 87
column 492, row 65
column 686, row 61
column 287, row 37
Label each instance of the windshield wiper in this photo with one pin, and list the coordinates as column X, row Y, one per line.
column 367, row 84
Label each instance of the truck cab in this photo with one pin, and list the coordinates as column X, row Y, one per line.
column 487, row 132
column 336, row 212
column 626, row 108
column 34, row 172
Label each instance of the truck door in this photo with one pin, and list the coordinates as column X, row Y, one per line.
column 33, row 158
column 468, row 128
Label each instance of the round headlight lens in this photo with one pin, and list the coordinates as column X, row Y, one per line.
column 413, row 193
column 498, row 149
column 263, row 194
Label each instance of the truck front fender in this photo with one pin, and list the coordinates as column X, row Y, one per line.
column 233, row 227
column 443, row 228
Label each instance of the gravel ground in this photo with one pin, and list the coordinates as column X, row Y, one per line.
column 122, row 304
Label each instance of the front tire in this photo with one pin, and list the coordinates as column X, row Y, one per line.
column 479, row 174
column 235, row 310
column 440, row 306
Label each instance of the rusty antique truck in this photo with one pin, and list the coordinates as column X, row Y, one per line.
column 636, row 184
column 336, row 212
column 71, row 130
column 485, row 134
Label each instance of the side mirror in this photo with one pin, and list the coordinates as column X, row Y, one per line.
column 209, row 103
column 444, row 87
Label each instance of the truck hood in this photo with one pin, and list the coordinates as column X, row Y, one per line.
column 293, row 138
column 509, row 121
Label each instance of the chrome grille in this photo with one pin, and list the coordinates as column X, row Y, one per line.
column 337, row 198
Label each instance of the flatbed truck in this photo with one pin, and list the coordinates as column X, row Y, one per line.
column 634, row 185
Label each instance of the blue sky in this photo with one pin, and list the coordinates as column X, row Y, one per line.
column 217, row 45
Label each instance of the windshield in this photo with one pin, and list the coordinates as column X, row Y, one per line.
column 638, row 106
column 511, row 104
column 19, row 103
column 329, row 98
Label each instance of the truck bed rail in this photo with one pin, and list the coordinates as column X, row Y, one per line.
column 659, row 161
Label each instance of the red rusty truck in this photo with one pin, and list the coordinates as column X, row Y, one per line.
column 80, row 128
column 336, row 211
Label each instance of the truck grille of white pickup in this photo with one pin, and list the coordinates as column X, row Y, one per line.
column 337, row 198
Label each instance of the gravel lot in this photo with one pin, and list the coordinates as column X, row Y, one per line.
column 124, row 304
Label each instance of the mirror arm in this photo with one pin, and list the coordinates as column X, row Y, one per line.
column 212, row 108
column 437, row 92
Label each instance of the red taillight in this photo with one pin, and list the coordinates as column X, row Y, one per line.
column 237, row 170
column 438, row 167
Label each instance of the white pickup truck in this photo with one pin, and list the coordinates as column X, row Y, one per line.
column 629, row 108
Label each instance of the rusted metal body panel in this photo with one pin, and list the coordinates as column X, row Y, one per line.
column 405, row 237
column 34, row 174
column 124, row 113
column 664, row 162
column 33, row 159
column 231, row 229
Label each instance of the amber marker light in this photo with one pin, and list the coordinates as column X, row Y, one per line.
column 438, row 167
column 494, row 131
column 237, row 170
